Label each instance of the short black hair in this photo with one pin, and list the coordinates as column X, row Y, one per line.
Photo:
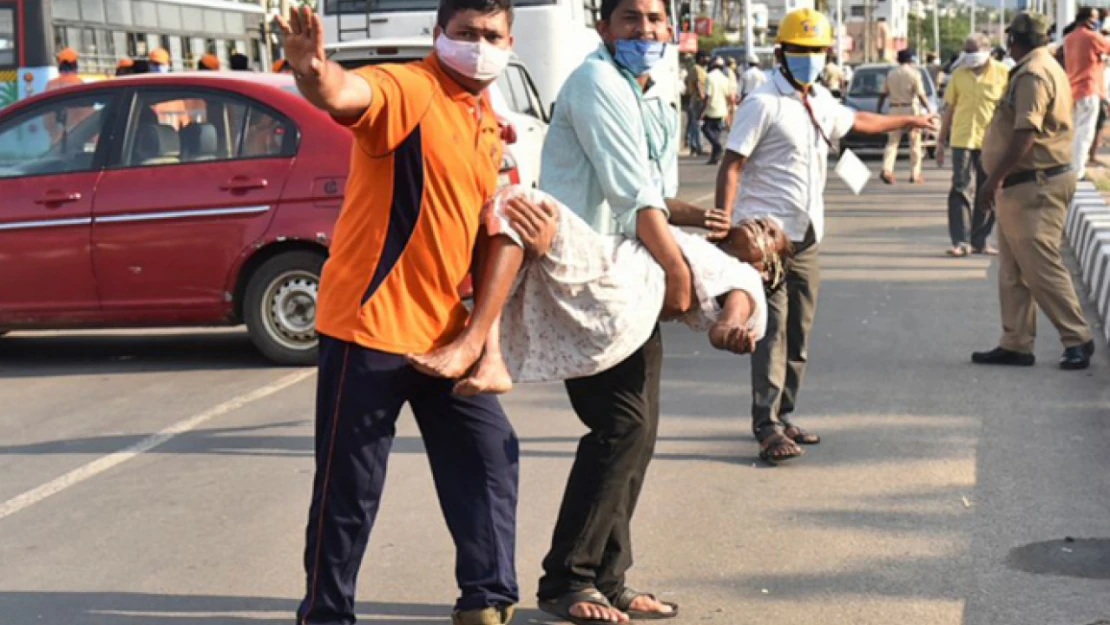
column 67, row 66
column 239, row 62
column 609, row 6
column 449, row 8
column 1084, row 14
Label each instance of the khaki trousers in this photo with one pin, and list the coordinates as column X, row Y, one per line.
column 890, row 154
column 1031, row 272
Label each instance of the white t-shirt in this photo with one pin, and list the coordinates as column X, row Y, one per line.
column 784, row 174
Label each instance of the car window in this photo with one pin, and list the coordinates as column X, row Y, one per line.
column 514, row 84
column 868, row 82
column 168, row 128
column 56, row 137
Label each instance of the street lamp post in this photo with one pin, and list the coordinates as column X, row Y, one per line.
column 936, row 27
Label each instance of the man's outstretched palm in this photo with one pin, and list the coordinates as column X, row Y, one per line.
column 304, row 42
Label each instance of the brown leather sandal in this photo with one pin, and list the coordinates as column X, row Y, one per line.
column 800, row 436
column 776, row 449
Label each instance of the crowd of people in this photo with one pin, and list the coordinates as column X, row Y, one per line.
column 157, row 61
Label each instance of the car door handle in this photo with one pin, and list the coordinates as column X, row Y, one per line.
column 58, row 197
column 242, row 183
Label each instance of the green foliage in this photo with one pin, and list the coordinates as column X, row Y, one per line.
column 953, row 31
column 714, row 41
column 9, row 92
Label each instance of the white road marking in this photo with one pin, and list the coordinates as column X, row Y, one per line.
column 104, row 463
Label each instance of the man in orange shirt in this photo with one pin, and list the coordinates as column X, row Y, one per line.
column 425, row 159
column 1083, row 50
column 67, row 70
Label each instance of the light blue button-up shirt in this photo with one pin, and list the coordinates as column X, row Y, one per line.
column 611, row 150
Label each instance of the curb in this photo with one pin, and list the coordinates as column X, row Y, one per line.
column 1088, row 233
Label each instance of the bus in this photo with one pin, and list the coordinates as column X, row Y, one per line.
column 25, row 57
column 104, row 31
column 552, row 36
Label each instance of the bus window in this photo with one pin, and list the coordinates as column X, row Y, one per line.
column 7, row 38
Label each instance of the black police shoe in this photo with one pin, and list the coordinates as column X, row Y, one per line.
column 1078, row 356
column 1003, row 356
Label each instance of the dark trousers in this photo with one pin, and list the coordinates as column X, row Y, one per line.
column 693, row 133
column 961, row 201
column 779, row 361
column 713, row 127
column 474, row 456
column 592, row 544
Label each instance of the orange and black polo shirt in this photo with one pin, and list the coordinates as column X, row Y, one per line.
column 425, row 160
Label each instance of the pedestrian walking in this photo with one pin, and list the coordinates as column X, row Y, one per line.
column 67, row 70
column 752, row 78
column 733, row 89
column 208, row 63
column 1083, row 52
column 935, row 69
column 159, row 61
column 775, row 166
column 833, row 77
column 426, row 158
column 716, row 108
column 695, row 93
column 906, row 91
column 972, row 94
column 611, row 157
column 1027, row 153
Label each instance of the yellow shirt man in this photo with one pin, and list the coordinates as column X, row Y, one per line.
column 972, row 98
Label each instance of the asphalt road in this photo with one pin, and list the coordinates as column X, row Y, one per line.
column 163, row 478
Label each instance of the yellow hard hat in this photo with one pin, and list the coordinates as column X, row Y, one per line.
column 805, row 27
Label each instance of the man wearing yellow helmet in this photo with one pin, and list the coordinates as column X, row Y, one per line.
column 779, row 142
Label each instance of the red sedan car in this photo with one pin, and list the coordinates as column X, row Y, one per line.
column 170, row 200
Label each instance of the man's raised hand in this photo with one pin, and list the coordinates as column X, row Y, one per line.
column 303, row 42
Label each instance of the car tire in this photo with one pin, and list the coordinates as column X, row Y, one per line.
column 279, row 307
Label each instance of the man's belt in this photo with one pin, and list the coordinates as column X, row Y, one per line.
column 1031, row 175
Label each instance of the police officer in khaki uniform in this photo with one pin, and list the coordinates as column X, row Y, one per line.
column 1030, row 183
column 907, row 97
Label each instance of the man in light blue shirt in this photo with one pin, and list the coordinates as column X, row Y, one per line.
column 611, row 156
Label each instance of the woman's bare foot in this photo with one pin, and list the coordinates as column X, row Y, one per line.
column 490, row 375
column 451, row 361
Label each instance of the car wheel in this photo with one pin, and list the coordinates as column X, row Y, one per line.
column 280, row 307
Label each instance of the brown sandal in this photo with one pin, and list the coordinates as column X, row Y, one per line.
column 800, row 436
column 776, row 449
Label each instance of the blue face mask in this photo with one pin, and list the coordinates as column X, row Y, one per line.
column 638, row 55
column 805, row 68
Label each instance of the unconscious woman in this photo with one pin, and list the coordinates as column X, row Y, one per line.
column 593, row 299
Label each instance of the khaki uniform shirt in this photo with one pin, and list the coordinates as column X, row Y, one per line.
column 903, row 87
column 1038, row 98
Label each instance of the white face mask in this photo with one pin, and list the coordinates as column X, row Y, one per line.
column 479, row 60
column 976, row 59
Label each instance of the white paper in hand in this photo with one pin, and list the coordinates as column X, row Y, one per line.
column 852, row 171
